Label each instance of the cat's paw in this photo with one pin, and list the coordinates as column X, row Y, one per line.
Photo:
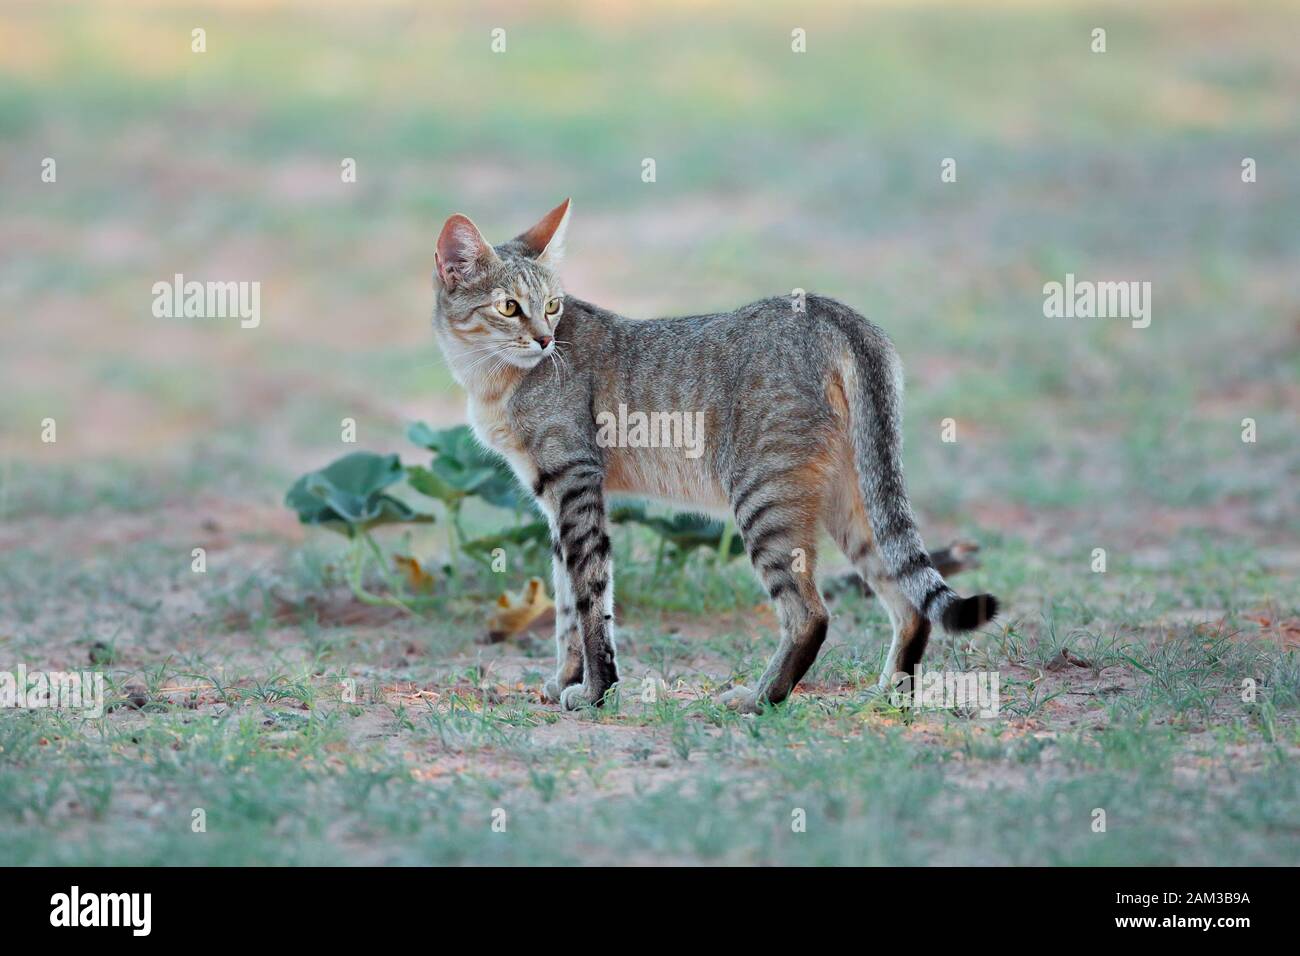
column 578, row 696
column 741, row 699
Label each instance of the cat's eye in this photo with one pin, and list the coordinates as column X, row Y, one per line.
column 508, row 307
column 553, row 307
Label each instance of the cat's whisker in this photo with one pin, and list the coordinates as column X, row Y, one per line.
column 446, row 362
column 477, row 362
column 563, row 363
column 486, row 348
column 498, row 351
column 497, row 369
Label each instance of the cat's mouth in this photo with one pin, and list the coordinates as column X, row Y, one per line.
column 528, row 356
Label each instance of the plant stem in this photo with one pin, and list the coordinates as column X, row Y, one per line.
column 455, row 538
column 356, row 573
column 356, row 567
column 724, row 546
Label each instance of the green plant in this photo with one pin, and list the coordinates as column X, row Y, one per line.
column 683, row 532
column 461, row 469
column 350, row 496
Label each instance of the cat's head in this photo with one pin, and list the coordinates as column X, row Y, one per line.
column 499, row 304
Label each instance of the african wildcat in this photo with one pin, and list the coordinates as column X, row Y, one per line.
column 801, row 429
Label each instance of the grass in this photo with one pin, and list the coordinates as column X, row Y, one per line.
column 698, row 784
column 774, row 171
column 441, row 733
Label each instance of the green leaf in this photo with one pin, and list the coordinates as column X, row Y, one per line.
column 467, row 479
column 457, row 442
column 685, row 532
column 348, row 496
column 428, row 483
column 534, row 533
column 462, row 467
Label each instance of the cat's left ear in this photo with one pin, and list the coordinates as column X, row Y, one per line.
column 545, row 241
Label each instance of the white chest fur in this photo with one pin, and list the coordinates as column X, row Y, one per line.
column 490, row 422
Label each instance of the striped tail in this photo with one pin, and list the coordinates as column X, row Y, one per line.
column 877, row 445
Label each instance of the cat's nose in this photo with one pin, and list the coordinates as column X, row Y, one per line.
column 543, row 340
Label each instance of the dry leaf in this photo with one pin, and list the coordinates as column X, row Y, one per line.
column 418, row 578
column 515, row 613
column 1065, row 659
column 1286, row 632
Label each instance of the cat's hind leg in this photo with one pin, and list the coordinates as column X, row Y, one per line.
column 846, row 521
column 777, row 518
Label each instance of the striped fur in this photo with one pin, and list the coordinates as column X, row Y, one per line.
column 802, row 413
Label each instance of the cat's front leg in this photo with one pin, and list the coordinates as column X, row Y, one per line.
column 568, row 632
column 578, row 502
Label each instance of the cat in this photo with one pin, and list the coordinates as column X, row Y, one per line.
column 800, row 406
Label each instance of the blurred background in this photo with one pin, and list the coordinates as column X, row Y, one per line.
column 775, row 170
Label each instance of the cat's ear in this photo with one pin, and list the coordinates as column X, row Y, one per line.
column 545, row 241
column 462, row 252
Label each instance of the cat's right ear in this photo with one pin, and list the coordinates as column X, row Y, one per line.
column 462, row 252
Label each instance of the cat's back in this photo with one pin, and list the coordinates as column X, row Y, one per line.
column 759, row 327
column 782, row 311
column 799, row 340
